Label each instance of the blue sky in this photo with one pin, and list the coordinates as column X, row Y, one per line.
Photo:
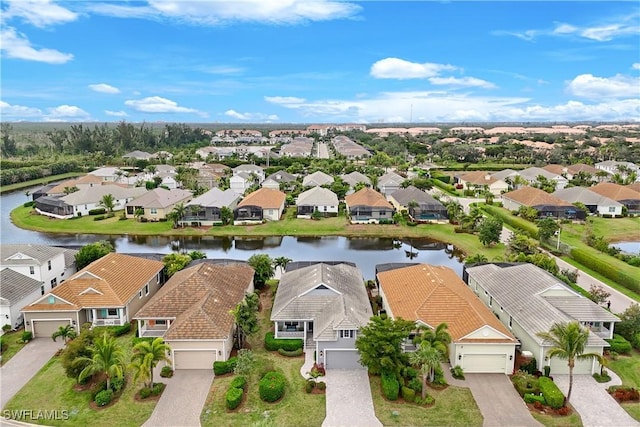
column 291, row 61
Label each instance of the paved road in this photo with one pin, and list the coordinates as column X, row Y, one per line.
column 323, row 150
column 182, row 401
column 349, row 402
column 24, row 365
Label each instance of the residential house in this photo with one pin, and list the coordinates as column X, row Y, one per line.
column 595, row 203
column 574, row 169
column 317, row 179
column 430, row 295
column 157, row 203
column 206, row 209
column 278, row 179
column 420, row 206
column 192, row 312
column 390, row 182
column 241, row 182
column 107, row 292
column 325, row 306
column 16, row 291
column 79, row 203
column 108, row 174
column 480, row 181
column 529, row 300
column 613, row 167
column 626, row 195
column 299, row 147
column 531, row 175
column 348, row 148
column 548, row 206
column 262, row 204
column 42, row 191
column 354, row 178
column 138, row 155
column 250, row 169
column 317, row 199
column 507, row 176
column 64, row 188
column 368, row 206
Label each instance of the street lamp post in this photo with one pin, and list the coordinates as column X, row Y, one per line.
column 558, row 234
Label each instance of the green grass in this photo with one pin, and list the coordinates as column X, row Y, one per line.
column 572, row 420
column 628, row 369
column 454, row 406
column 13, row 346
column 603, row 279
column 51, row 389
column 40, row 181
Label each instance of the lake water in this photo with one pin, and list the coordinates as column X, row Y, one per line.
column 365, row 252
column 628, row 247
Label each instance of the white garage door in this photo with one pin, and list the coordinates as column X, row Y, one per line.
column 189, row 359
column 484, row 363
column 560, row 367
column 342, row 359
column 44, row 328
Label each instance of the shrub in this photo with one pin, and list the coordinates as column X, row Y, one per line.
column 390, row 386
column 136, row 340
column 6, row 328
column 624, row 393
column 619, row 344
column 408, row 394
column 97, row 388
column 602, row 378
column 271, row 386
column 97, row 211
column 409, row 373
column 121, row 330
column 145, row 392
column 293, row 353
column 309, row 385
column 525, row 383
column 457, row 372
column 600, row 264
column 239, row 382
column 26, row 336
column 552, row 394
column 530, row 367
column 117, row 384
column 99, row 217
column 274, row 344
column 166, row 372
column 29, row 204
column 233, row 398
column 428, row 400
column 547, row 370
column 321, row 385
column 415, row 384
column 157, row 389
column 532, row 398
column 222, row 368
column 103, row 398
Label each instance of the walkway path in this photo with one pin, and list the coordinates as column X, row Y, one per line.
column 24, row 365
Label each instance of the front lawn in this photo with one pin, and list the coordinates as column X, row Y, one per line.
column 454, row 406
column 50, row 389
column 628, row 369
column 13, row 346
column 572, row 420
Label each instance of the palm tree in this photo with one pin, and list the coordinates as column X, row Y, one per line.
column 568, row 341
column 146, row 356
column 108, row 202
column 281, row 262
column 475, row 258
column 66, row 332
column 178, row 212
column 428, row 359
column 437, row 338
column 138, row 213
column 106, row 357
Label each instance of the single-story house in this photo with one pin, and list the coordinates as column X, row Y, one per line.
column 548, row 206
column 422, row 207
column 206, row 208
column 262, row 204
column 250, row 169
column 16, row 291
column 529, row 300
column 390, row 182
column 192, row 312
column 624, row 194
column 317, row 179
column 108, row 173
column 480, row 181
column 317, row 199
column 596, row 203
column 275, row 180
column 157, row 203
column 138, row 155
column 354, row 178
column 325, row 306
column 79, row 203
column 107, row 292
column 531, row 175
column 241, row 182
column 79, row 183
column 368, row 206
column 430, row 295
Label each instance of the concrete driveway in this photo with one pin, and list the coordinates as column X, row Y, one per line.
column 183, row 399
column 595, row 406
column 24, row 365
column 498, row 400
column 349, row 402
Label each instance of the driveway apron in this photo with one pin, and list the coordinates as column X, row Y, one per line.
column 498, row 400
column 349, row 402
column 183, row 399
column 24, row 365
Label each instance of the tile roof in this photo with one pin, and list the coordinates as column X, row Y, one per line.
column 532, row 174
column 581, row 167
column 355, row 177
column 111, row 281
column 556, row 169
column 95, row 194
column 616, row 191
column 367, row 197
column 216, row 198
column 266, row 198
column 390, row 178
column 317, row 178
column 531, row 196
column 200, row 298
column 15, row 286
column 161, row 198
column 282, row 176
column 317, row 196
column 479, row 178
column 27, row 254
column 86, row 179
column 635, row 186
column 434, row 295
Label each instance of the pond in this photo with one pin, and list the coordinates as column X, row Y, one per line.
column 628, row 247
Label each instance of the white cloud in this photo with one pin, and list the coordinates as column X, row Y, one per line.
column 216, row 12
column 115, row 113
column 157, row 104
column 221, row 69
column 636, row 66
column 17, row 46
column 564, row 29
column 284, row 99
column 609, row 32
column 40, row 13
column 251, row 116
column 396, row 68
column 104, row 88
column 593, row 87
column 18, row 112
column 462, row 81
column 66, row 113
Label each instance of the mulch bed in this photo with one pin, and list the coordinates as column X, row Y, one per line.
column 89, row 384
column 547, row 410
column 152, row 397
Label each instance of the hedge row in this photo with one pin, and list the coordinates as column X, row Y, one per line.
column 390, row 386
column 531, row 398
column 527, row 227
column 274, row 344
column 221, row 368
column 600, row 264
column 271, row 386
column 552, row 394
column 619, row 344
column 294, row 353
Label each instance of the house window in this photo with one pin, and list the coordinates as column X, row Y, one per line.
column 161, row 322
column 112, row 312
column 32, row 269
column 146, row 289
column 49, row 264
column 153, row 211
column 612, row 209
column 52, row 300
column 54, row 282
column 347, row 333
column 510, row 322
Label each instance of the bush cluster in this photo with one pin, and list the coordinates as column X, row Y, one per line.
column 624, row 393
column 293, row 353
column 532, row 398
column 239, row 382
column 221, row 368
column 309, row 385
column 233, row 398
column 408, row 394
column 98, row 211
column 26, row 336
column 601, row 265
column 390, row 386
column 274, row 344
column 527, row 227
column 166, row 372
column 619, row 344
column 552, row 394
column 271, row 386
column 104, row 397
column 457, row 372
column 415, row 384
column 145, row 392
